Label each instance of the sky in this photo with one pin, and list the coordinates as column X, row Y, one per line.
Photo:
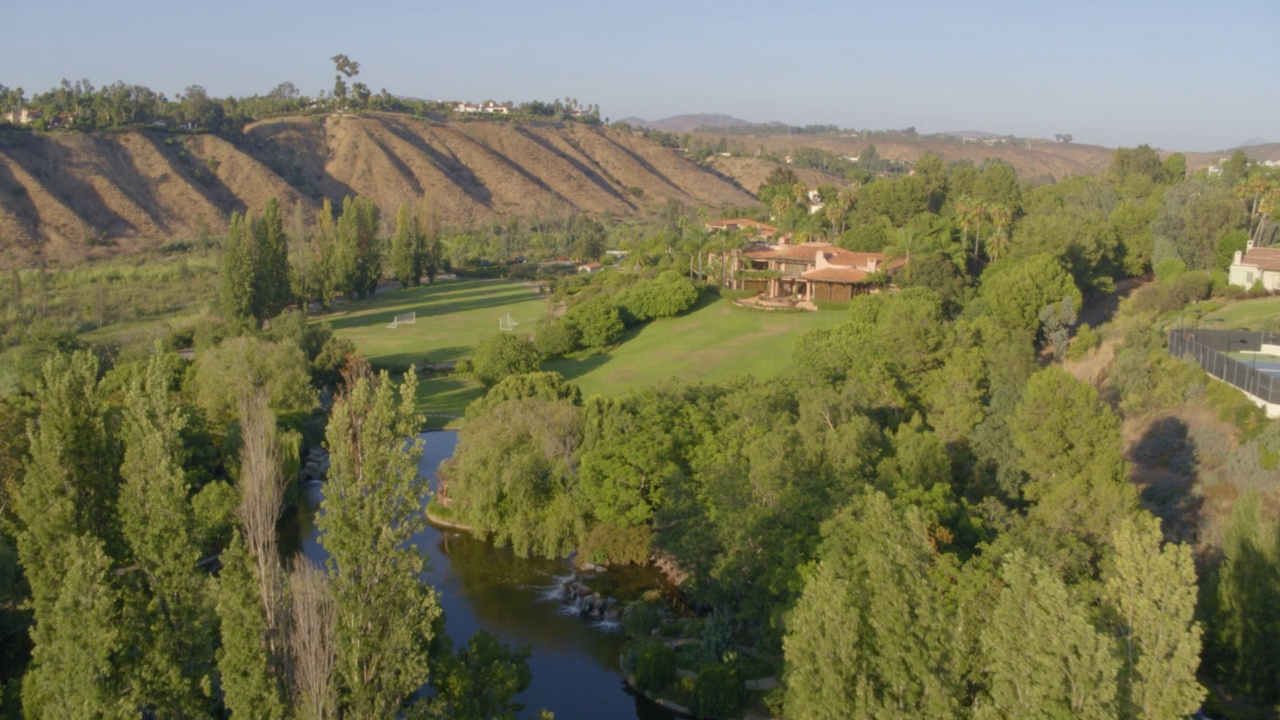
column 1175, row 74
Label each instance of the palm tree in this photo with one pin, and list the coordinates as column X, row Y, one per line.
column 1001, row 218
column 967, row 215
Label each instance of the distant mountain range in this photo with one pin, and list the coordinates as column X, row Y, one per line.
column 1254, row 141
column 687, row 123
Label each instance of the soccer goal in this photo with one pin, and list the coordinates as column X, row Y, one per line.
column 506, row 323
column 409, row 318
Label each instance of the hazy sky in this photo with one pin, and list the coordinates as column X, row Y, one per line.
column 1178, row 74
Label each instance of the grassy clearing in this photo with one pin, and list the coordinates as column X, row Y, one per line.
column 714, row 342
column 1260, row 314
column 452, row 317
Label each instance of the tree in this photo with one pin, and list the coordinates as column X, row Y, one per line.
column 406, row 248
column 371, row 511
column 1151, row 589
column 312, row 641
column 1016, row 292
column 1246, row 614
column 1042, row 656
column 511, row 476
column 253, row 657
column 870, row 636
column 270, row 263
column 255, row 266
column 235, row 276
column 169, row 624
column 74, row 671
column 596, row 322
column 357, row 259
column 1070, row 447
column 227, row 372
column 500, row 356
column 1195, row 216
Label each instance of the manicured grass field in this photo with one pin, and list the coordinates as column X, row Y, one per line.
column 1260, row 314
column 714, row 342
column 452, row 317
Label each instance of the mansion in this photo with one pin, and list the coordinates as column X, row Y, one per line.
column 803, row 272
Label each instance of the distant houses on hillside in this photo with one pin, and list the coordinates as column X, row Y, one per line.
column 485, row 107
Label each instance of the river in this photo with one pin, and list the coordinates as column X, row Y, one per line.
column 574, row 664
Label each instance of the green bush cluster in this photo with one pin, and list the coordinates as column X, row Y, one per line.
column 1084, row 342
column 667, row 295
column 641, row 620
column 655, row 667
column 718, row 692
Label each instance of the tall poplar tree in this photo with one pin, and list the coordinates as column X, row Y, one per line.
column 270, row 263
column 1043, row 657
column 251, row 598
column 66, row 516
column 406, row 247
column 169, row 611
column 1151, row 590
column 357, row 263
column 871, row 636
column 236, row 274
column 371, row 511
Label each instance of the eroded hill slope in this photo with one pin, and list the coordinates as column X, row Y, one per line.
column 76, row 196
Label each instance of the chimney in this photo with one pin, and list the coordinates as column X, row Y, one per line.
column 1239, row 257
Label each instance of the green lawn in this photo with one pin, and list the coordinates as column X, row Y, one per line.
column 714, row 342
column 1260, row 314
column 452, row 317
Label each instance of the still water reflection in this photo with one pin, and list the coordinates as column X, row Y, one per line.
column 574, row 665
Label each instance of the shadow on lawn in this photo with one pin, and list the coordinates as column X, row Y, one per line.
column 573, row 369
column 364, row 316
column 399, row 362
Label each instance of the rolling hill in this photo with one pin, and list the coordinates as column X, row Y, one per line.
column 688, row 123
column 88, row 195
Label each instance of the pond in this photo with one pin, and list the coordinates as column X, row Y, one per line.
column 481, row 587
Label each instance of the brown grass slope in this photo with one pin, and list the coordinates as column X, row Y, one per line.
column 1036, row 159
column 61, row 194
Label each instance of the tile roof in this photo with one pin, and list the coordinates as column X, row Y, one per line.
column 838, row 275
column 1267, row 258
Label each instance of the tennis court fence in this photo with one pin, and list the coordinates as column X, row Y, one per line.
column 1209, row 349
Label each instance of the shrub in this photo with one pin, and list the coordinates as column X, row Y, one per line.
column 655, row 667
column 555, row 338
column 718, row 692
column 1083, row 343
column 596, row 322
column 611, row 545
column 667, row 296
column 641, row 620
column 500, row 356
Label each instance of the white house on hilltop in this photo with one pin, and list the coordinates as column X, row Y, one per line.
column 1256, row 265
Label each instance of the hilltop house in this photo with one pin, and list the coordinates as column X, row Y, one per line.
column 24, row 116
column 809, row 271
column 1256, row 265
column 487, row 107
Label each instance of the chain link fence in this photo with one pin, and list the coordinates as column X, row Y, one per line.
column 1209, row 348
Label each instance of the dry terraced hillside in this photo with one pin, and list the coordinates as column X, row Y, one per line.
column 78, row 195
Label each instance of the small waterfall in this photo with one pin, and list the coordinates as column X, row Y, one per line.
column 577, row 599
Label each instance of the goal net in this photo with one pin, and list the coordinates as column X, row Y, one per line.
column 506, row 323
column 408, row 318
